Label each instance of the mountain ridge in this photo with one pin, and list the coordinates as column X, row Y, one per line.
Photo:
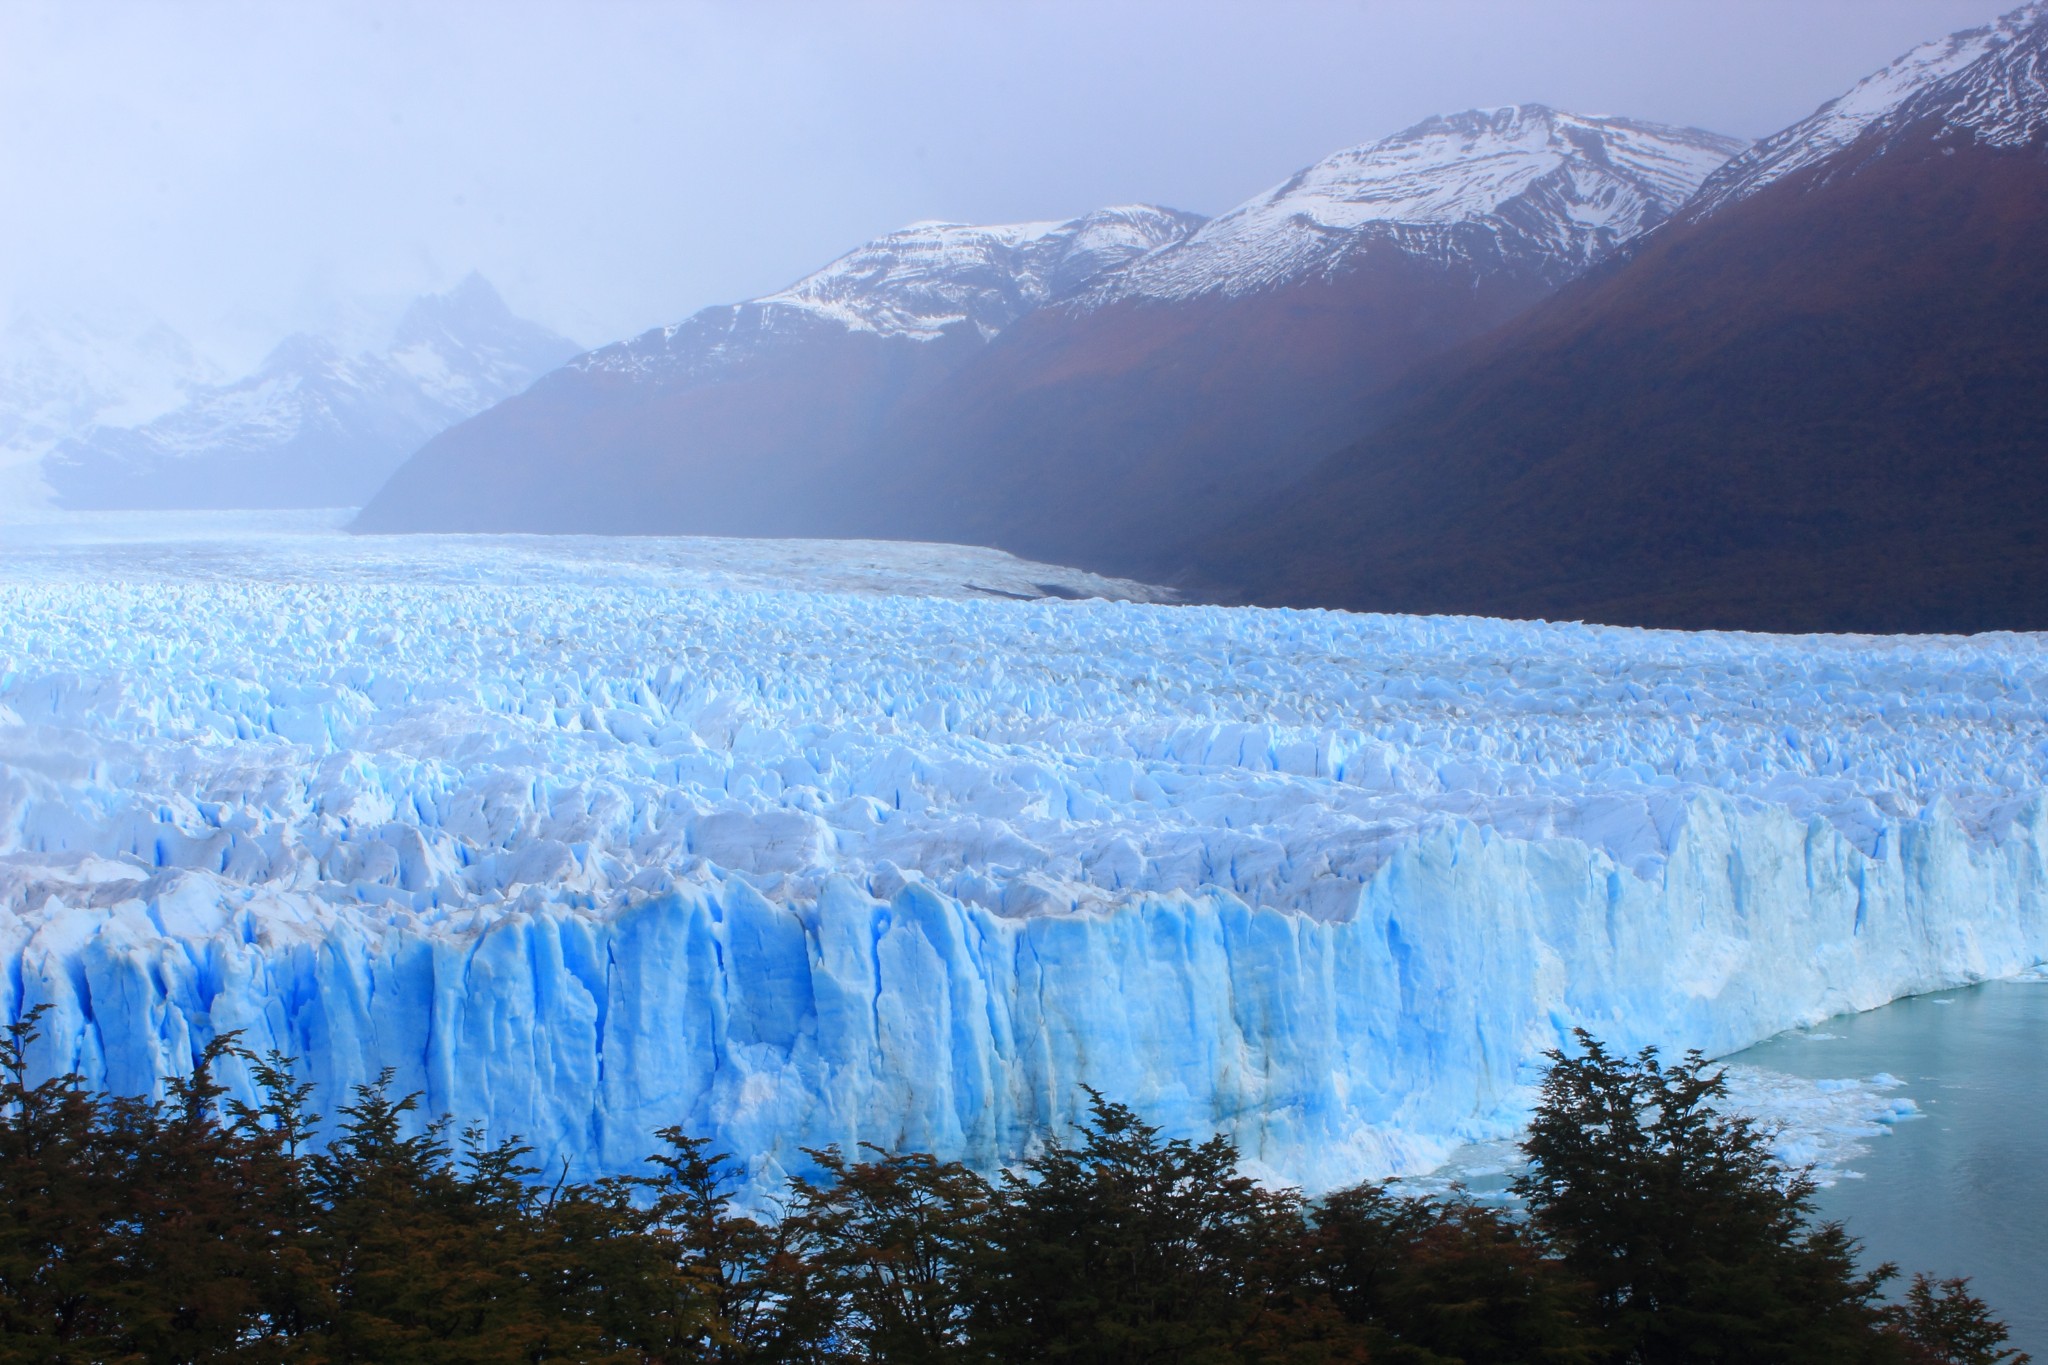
column 1985, row 83
column 313, row 425
column 734, row 420
column 1814, row 407
column 812, row 410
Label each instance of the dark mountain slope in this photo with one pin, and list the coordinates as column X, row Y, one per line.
column 1098, row 430
column 728, row 422
column 1098, row 438
column 1083, row 390
column 589, row 449
column 1824, row 406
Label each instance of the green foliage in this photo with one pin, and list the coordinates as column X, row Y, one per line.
column 1943, row 1323
column 889, row 1243
column 1431, row 1282
column 760, row 1304
column 1695, row 1244
column 1126, row 1248
column 61, row 1221
column 200, row 1228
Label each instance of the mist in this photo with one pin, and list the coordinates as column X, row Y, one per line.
column 246, row 170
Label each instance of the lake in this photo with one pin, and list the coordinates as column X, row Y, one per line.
column 1962, row 1189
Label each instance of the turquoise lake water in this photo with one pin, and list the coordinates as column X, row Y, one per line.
column 1962, row 1189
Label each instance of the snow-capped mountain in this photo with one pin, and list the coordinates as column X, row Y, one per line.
column 1522, row 183
column 1812, row 401
column 1983, row 86
column 313, row 426
column 1161, row 397
column 925, row 282
column 62, row 374
column 1074, row 387
column 726, row 422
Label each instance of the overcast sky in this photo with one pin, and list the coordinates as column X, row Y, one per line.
column 245, row 168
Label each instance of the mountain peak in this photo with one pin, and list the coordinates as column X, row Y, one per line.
column 1560, row 184
column 473, row 304
column 315, row 424
column 1988, row 85
column 931, row 276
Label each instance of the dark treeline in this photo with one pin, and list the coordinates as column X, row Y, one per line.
column 1650, row 1228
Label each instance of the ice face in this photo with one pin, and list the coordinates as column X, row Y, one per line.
column 582, row 843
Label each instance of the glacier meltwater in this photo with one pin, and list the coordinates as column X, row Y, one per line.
column 812, row 844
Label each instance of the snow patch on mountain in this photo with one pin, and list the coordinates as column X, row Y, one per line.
column 1518, row 182
column 1988, row 85
column 924, row 282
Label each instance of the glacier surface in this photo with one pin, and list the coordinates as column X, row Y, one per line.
column 585, row 838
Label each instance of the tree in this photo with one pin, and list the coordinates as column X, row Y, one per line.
column 429, row 1259
column 891, row 1240
column 1695, row 1243
column 1431, row 1282
column 1129, row 1249
column 295, row 1288
column 61, row 1190
column 762, row 1305
column 197, row 1235
column 1943, row 1323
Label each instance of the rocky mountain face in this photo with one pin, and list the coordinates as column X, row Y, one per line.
column 1814, row 401
column 1518, row 187
column 1083, row 389
column 313, row 426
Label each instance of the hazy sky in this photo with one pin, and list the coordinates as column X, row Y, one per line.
column 245, row 168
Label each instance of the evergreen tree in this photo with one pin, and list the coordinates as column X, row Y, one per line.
column 434, row 1261
column 195, row 1237
column 295, row 1288
column 1697, row 1246
column 762, row 1304
column 1127, row 1249
column 890, row 1241
column 61, row 1194
column 1432, row 1282
column 1943, row 1323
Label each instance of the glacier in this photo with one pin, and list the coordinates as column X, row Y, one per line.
column 801, row 844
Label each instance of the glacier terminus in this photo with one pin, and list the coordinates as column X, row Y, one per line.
column 842, row 843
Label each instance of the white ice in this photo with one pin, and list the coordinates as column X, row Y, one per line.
column 584, row 838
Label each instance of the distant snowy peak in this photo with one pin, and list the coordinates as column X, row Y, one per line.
column 61, row 374
column 311, row 403
column 924, row 281
column 465, row 349
column 928, row 277
column 451, row 355
column 1517, row 180
column 1985, row 85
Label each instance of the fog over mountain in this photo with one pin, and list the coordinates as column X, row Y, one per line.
column 242, row 172
column 314, row 425
column 1078, row 391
